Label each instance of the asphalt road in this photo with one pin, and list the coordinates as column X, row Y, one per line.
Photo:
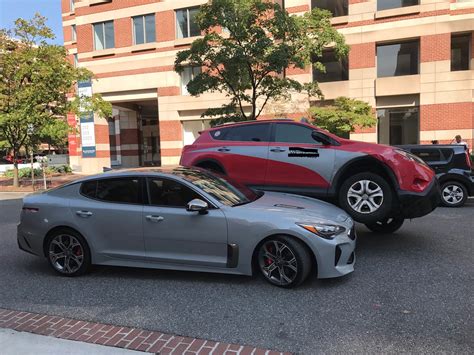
column 412, row 292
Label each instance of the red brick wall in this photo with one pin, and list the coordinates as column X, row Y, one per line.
column 362, row 56
column 123, row 32
column 435, row 47
column 169, row 91
column 447, row 116
column 165, row 26
column 171, row 131
column 85, row 42
column 101, row 134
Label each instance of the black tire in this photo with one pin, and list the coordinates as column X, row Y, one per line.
column 212, row 167
column 453, row 194
column 382, row 205
column 387, row 226
column 290, row 249
column 74, row 248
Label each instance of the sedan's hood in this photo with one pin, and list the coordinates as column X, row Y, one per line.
column 299, row 208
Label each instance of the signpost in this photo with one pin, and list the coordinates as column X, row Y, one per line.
column 89, row 150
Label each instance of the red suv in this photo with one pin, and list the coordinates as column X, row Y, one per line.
column 377, row 185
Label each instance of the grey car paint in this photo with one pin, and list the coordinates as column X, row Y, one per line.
column 122, row 235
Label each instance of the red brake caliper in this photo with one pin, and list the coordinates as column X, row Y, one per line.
column 77, row 251
column 268, row 261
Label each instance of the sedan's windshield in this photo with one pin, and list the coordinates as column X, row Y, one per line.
column 221, row 188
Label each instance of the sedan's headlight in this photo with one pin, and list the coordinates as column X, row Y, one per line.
column 326, row 231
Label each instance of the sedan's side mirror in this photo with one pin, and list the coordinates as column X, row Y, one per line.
column 321, row 138
column 197, row 205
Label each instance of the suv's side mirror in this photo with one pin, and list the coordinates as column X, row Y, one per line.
column 321, row 137
column 197, row 205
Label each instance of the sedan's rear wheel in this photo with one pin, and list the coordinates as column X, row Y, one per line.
column 284, row 261
column 453, row 194
column 68, row 253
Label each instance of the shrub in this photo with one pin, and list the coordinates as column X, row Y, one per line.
column 24, row 173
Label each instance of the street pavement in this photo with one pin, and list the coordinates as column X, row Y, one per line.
column 411, row 292
column 15, row 343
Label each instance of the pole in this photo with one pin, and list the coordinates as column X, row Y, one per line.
column 32, row 170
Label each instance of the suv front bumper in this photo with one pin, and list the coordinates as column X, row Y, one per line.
column 418, row 204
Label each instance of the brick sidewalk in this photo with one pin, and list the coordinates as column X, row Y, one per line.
column 121, row 337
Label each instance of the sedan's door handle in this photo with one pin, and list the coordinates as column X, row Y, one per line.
column 277, row 150
column 154, row 218
column 84, row 214
column 224, row 149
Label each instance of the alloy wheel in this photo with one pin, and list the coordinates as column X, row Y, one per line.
column 452, row 194
column 66, row 253
column 365, row 196
column 278, row 262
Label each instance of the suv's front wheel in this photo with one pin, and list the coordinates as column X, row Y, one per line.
column 367, row 197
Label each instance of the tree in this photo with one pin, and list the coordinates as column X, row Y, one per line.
column 35, row 78
column 248, row 60
column 344, row 116
column 54, row 133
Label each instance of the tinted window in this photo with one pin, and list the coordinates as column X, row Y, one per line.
column 248, row 133
column 292, row 133
column 336, row 7
column 126, row 190
column 428, row 154
column 89, row 188
column 397, row 59
column 170, row 193
column 460, row 52
column 393, row 4
column 337, row 69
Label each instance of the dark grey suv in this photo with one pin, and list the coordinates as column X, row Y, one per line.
column 453, row 168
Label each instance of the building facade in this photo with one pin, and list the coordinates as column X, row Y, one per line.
column 412, row 60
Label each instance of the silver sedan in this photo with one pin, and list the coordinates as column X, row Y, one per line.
column 186, row 219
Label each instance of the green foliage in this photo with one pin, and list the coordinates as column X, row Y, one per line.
column 54, row 133
column 248, row 61
column 344, row 116
column 35, row 78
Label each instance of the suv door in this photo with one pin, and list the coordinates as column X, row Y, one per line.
column 243, row 151
column 297, row 160
column 174, row 235
column 109, row 213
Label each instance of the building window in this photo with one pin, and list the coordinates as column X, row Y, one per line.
column 398, row 59
column 104, row 35
column 336, row 7
column 71, row 5
column 337, row 69
column 460, row 52
column 187, row 75
column 76, row 60
column 394, row 4
column 144, row 29
column 398, row 125
column 186, row 25
column 73, row 33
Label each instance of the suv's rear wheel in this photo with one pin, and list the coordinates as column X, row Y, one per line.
column 367, row 197
column 453, row 194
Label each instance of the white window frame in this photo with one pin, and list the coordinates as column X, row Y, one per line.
column 73, row 33
column 188, row 24
column 72, row 6
column 144, row 28
column 103, row 33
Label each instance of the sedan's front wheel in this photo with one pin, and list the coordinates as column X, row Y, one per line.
column 284, row 261
column 68, row 253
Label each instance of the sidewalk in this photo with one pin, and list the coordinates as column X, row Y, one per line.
column 66, row 333
column 16, row 343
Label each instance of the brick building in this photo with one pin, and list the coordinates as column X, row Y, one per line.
column 410, row 59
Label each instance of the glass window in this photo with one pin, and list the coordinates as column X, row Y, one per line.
column 104, row 35
column 221, row 188
column 460, row 52
column 292, row 133
column 398, row 126
column 76, row 61
column 336, row 7
column 188, row 74
column 73, row 33
column 71, row 5
column 393, row 4
column 244, row 133
column 144, row 29
column 89, row 188
column 170, row 193
column 336, row 69
column 186, row 25
column 397, row 59
column 120, row 190
column 428, row 154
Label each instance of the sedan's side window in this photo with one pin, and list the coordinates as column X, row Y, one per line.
column 170, row 193
column 118, row 190
column 292, row 133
